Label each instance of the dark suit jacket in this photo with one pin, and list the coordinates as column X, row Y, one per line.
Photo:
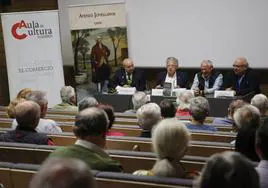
column 120, row 79
column 250, row 83
column 181, row 79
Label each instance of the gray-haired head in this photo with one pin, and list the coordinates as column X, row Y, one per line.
column 67, row 94
column 63, row 173
column 261, row 102
column 148, row 115
column 199, row 109
column 183, row 99
column 173, row 59
column 138, row 99
column 87, row 102
column 248, row 116
column 40, row 98
column 208, row 62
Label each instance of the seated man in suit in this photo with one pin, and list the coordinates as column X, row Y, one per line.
column 177, row 78
column 242, row 79
column 207, row 80
column 128, row 76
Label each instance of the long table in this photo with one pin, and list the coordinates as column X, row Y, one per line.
column 121, row 103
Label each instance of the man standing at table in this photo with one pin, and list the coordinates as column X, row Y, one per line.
column 207, row 80
column 128, row 76
column 242, row 79
column 177, row 78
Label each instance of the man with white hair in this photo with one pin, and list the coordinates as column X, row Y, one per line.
column 247, row 120
column 138, row 99
column 68, row 98
column 87, row 102
column 207, row 80
column 128, row 76
column 47, row 126
column 242, row 79
column 260, row 101
column 148, row 116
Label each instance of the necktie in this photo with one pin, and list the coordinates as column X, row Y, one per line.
column 129, row 81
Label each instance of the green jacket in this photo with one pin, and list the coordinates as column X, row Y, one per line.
column 94, row 160
column 65, row 107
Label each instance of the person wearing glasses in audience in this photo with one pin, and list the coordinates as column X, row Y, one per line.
column 177, row 78
column 242, row 79
column 128, row 76
column 207, row 80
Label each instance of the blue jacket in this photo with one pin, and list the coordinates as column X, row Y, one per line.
column 181, row 79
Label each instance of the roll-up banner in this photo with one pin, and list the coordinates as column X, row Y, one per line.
column 33, row 53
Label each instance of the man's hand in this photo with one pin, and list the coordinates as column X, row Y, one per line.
column 158, row 87
column 126, row 85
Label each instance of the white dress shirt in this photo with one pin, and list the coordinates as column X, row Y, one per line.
column 172, row 80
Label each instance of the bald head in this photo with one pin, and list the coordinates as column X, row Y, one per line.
column 128, row 65
column 63, row 173
column 27, row 114
column 240, row 66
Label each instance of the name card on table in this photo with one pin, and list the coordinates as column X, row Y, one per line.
column 218, row 94
column 125, row 90
column 157, row 92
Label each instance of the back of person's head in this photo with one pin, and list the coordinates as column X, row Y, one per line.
column 91, row 122
column 228, row 170
column 63, row 173
column 40, row 98
column 234, row 105
column 183, row 100
column 247, row 117
column 261, row 102
column 262, row 141
column 87, row 102
column 12, row 105
column 22, row 93
column 27, row 114
column 199, row 109
column 110, row 113
column 168, row 109
column 170, row 141
column 148, row 115
column 67, row 94
column 138, row 99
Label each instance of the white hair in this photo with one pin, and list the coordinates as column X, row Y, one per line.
column 261, row 102
column 183, row 99
column 66, row 93
column 199, row 108
column 172, row 59
column 87, row 102
column 148, row 115
column 138, row 99
column 247, row 116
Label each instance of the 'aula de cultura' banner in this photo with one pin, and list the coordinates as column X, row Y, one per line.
column 33, row 53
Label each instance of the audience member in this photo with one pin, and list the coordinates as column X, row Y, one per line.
column 111, row 117
column 183, row 102
column 228, row 170
column 87, row 102
column 199, row 110
column 168, row 110
column 260, row 101
column 262, row 151
column 90, row 128
column 207, row 80
column 229, row 120
column 170, row 141
column 129, row 76
column 177, row 78
column 63, row 173
column 138, row 99
column 148, row 116
column 47, row 126
column 68, row 98
column 27, row 115
column 20, row 96
column 247, row 120
column 242, row 79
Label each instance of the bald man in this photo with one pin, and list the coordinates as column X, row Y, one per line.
column 242, row 79
column 207, row 80
column 63, row 173
column 27, row 115
column 128, row 76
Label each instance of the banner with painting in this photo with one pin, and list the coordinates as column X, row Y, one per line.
column 33, row 53
column 99, row 40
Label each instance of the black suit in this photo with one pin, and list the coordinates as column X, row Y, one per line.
column 120, row 79
column 249, row 83
column 181, row 79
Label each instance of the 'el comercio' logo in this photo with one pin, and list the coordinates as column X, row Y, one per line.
column 22, row 30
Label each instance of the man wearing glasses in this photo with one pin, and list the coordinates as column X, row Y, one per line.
column 242, row 79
